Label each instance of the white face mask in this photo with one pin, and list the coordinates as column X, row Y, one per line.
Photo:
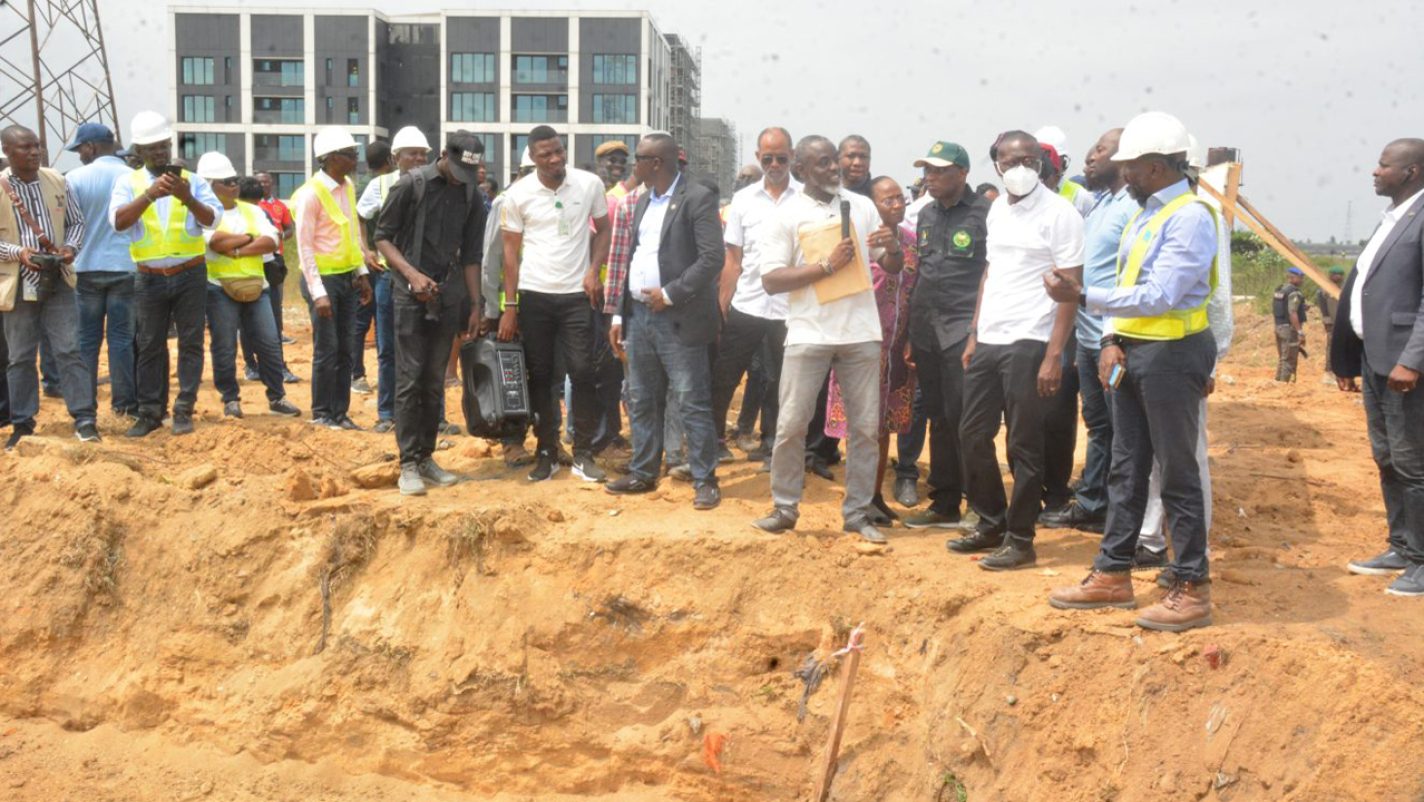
column 1020, row 180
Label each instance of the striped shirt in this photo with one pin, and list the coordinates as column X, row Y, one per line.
column 32, row 197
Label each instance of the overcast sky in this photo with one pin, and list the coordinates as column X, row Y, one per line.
column 1309, row 90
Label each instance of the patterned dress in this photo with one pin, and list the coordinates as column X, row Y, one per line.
column 897, row 379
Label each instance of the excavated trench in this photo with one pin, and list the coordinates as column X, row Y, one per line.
column 550, row 647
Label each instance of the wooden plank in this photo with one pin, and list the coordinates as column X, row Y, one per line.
column 1233, row 190
column 1288, row 252
column 838, row 722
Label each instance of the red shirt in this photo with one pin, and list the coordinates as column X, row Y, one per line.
column 277, row 210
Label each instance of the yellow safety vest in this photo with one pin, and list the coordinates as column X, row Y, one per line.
column 160, row 241
column 1173, row 324
column 349, row 256
column 221, row 266
column 1069, row 190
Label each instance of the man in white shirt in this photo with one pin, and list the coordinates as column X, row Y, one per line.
column 1013, row 360
column 550, row 278
column 754, row 319
column 843, row 334
column 1378, row 347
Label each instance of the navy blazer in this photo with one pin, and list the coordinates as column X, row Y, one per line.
column 1393, row 300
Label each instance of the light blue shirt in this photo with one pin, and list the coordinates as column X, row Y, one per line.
column 202, row 192
column 643, row 271
column 1102, row 235
column 1176, row 271
column 93, row 186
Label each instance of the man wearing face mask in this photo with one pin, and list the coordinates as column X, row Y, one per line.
column 1013, row 358
column 1156, row 363
column 753, row 318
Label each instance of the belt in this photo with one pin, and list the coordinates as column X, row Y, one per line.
column 172, row 270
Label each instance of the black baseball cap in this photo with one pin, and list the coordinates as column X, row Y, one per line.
column 463, row 151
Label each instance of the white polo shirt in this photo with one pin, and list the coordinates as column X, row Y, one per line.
column 853, row 319
column 752, row 207
column 1026, row 240
column 555, row 225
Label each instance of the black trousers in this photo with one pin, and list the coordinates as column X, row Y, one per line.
column 1002, row 382
column 941, row 375
column 608, row 384
column 275, row 272
column 551, row 324
column 1060, row 433
column 743, row 336
column 333, row 347
column 182, row 300
column 4, row 383
column 422, row 352
column 1157, row 412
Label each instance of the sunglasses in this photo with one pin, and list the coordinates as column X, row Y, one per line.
column 767, row 161
column 227, row 182
column 644, row 157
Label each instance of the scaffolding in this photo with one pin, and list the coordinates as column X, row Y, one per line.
column 685, row 91
column 52, row 53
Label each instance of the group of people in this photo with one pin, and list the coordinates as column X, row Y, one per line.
column 853, row 313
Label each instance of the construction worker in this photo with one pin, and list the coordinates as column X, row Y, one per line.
column 1156, row 362
column 410, row 150
column 237, row 291
column 335, row 262
column 1288, row 308
column 1055, row 169
column 166, row 209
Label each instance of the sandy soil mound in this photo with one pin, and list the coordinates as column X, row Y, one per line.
column 252, row 613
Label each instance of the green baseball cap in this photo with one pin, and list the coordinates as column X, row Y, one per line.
column 1337, row 271
column 943, row 154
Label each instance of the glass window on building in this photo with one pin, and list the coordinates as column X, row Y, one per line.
column 288, row 183
column 353, row 73
column 278, row 72
column 279, row 110
column 541, row 108
column 476, row 107
column 353, row 111
column 279, row 147
column 192, row 145
column 198, row 108
column 541, row 69
column 615, row 69
column 198, row 71
column 615, row 108
column 472, row 68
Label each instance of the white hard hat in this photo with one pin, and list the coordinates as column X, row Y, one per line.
column 409, row 137
column 331, row 139
column 1196, row 153
column 1152, row 132
column 149, row 127
column 526, row 160
column 1052, row 135
column 214, row 166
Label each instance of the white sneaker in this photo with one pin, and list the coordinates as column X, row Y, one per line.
column 410, row 482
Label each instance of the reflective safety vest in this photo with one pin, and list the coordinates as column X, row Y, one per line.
column 162, row 241
column 349, row 255
column 1069, row 190
column 222, row 266
column 1173, row 324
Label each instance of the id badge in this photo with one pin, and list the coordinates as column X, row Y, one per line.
column 28, row 290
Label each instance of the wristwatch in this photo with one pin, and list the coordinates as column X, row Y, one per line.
column 825, row 265
column 1083, row 297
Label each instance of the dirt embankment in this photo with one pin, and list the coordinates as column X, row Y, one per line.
column 234, row 616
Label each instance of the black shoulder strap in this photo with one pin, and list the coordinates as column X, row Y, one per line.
column 417, row 194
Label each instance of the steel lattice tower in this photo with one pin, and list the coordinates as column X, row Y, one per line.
column 52, row 53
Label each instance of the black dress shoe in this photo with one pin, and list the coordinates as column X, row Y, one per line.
column 143, row 427
column 776, row 522
column 977, row 541
column 878, row 503
column 1071, row 516
column 907, row 491
column 21, row 431
column 345, row 422
column 1145, row 558
column 821, row 469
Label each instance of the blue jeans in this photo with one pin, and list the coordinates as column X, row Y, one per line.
column 57, row 318
column 333, row 347
column 275, row 272
column 1092, row 495
column 255, row 317
column 1396, row 429
column 108, row 297
column 158, row 300
column 911, row 444
column 661, row 364
column 381, row 313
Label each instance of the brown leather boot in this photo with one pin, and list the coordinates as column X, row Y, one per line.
column 1186, row 606
column 1098, row 589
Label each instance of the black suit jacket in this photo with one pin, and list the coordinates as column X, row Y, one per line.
column 690, row 258
column 1393, row 301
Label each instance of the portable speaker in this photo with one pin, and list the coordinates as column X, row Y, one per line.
column 496, row 398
